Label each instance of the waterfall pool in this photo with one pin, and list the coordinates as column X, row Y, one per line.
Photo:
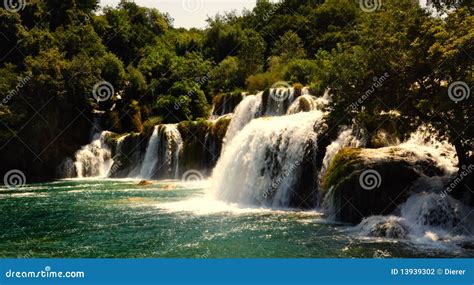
column 118, row 218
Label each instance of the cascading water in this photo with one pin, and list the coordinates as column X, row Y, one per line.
column 278, row 101
column 266, row 159
column 307, row 103
column 425, row 218
column 245, row 112
column 346, row 138
column 162, row 154
column 151, row 155
column 425, row 142
column 66, row 169
column 429, row 216
column 94, row 159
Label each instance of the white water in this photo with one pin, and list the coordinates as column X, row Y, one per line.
column 346, row 138
column 426, row 219
column 423, row 145
column 162, row 154
column 94, row 159
column 278, row 101
column 425, row 142
column 244, row 113
column 306, row 103
column 277, row 104
column 151, row 155
column 260, row 164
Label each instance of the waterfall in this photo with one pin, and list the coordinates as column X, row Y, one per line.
column 425, row 142
column 346, row 138
column 425, row 218
column 245, row 112
column 94, row 159
column 162, row 154
column 262, row 164
column 307, row 103
column 66, row 169
column 174, row 146
column 151, row 155
column 273, row 102
column 278, row 101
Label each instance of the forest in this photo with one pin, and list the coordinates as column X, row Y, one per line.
column 399, row 66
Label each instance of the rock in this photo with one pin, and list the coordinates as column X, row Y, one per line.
column 144, row 183
column 385, row 227
column 467, row 245
column 127, row 153
column 366, row 182
column 383, row 139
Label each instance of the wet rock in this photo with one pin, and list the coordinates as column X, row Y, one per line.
column 365, row 182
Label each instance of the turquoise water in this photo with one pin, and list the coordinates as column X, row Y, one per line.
column 118, row 218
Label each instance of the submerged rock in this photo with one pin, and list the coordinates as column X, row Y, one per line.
column 144, row 183
column 386, row 227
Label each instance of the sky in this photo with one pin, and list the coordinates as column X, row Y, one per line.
column 190, row 13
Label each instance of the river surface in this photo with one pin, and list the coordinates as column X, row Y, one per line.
column 117, row 218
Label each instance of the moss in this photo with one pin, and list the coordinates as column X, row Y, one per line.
column 133, row 145
column 348, row 197
column 202, row 143
column 225, row 103
column 190, row 129
column 111, row 140
column 150, row 124
column 298, row 89
column 346, row 161
column 112, row 121
column 219, row 129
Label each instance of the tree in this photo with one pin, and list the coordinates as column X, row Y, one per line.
column 290, row 46
column 251, row 53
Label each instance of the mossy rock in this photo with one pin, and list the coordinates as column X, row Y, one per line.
column 129, row 155
column 351, row 200
column 202, row 143
column 225, row 103
column 383, row 138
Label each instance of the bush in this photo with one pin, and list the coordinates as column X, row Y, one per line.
column 301, row 70
column 262, row 81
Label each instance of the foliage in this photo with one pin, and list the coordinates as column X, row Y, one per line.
column 399, row 57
